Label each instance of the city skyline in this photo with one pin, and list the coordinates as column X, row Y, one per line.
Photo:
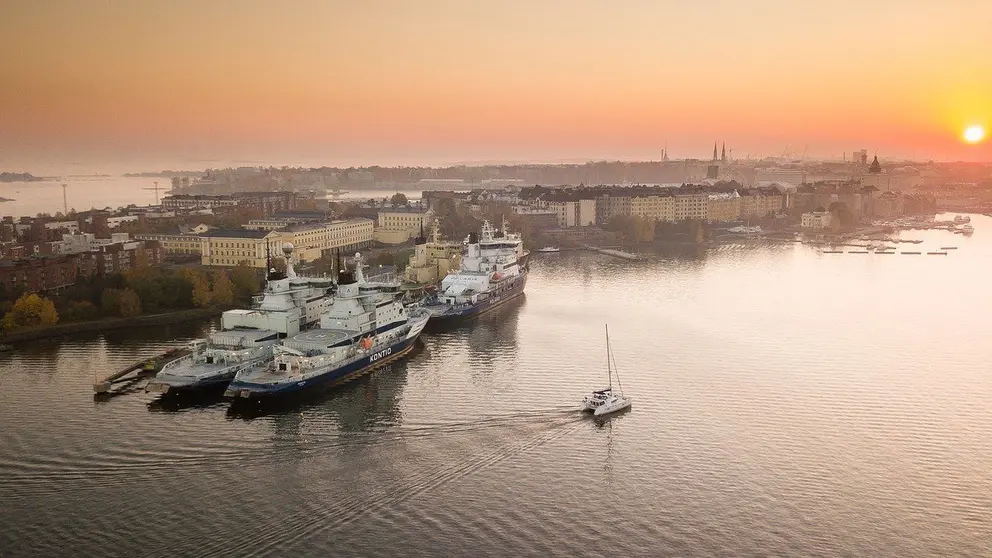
column 92, row 85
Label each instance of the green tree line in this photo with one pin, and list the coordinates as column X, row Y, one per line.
column 147, row 290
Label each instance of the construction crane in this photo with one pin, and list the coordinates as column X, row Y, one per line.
column 156, row 188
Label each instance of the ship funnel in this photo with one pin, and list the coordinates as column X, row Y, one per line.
column 473, row 238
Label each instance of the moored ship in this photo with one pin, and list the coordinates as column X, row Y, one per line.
column 367, row 326
column 287, row 305
column 491, row 274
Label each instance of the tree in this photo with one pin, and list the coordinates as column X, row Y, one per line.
column 245, row 281
column 30, row 310
column 223, row 289
column 398, row 199
column 82, row 310
column 110, row 302
column 129, row 304
column 843, row 215
column 201, row 292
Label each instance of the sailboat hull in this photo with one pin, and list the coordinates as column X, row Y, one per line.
column 616, row 405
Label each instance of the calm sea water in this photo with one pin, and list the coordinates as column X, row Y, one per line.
column 786, row 403
column 99, row 192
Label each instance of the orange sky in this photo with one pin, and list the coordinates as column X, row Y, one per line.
column 433, row 82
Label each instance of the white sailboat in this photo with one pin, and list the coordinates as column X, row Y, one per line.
column 605, row 401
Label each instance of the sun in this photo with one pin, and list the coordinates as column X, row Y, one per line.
column 974, row 134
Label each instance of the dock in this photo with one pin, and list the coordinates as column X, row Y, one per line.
column 617, row 253
column 144, row 367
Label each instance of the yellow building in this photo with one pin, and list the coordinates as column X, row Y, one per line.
column 312, row 240
column 433, row 260
column 397, row 225
column 759, row 202
column 691, row 205
column 175, row 243
column 232, row 247
column 723, row 207
column 653, row 208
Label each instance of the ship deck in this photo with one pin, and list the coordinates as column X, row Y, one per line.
column 322, row 337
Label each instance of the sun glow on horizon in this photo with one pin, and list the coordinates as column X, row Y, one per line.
column 974, row 134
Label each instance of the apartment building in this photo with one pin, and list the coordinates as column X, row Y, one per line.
column 652, row 208
column 723, row 207
column 691, row 204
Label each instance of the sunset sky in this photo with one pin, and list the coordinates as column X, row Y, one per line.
column 186, row 82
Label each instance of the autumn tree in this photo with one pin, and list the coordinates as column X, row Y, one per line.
column 129, row 304
column 201, row 291
column 399, row 198
column 245, row 281
column 223, row 290
column 30, row 310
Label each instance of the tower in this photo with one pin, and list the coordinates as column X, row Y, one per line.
column 875, row 167
column 723, row 154
column 65, row 204
column 714, row 151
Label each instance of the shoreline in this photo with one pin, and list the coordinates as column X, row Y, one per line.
column 59, row 330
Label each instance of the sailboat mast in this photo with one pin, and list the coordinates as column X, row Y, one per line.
column 609, row 374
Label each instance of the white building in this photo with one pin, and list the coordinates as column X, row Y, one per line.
column 71, row 226
column 577, row 213
column 817, row 220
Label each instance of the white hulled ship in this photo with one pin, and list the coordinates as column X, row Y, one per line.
column 287, row 305
column 491, row 274
column 367, row 326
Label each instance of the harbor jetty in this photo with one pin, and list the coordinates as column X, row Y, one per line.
column 140, row 369
column 616, row 253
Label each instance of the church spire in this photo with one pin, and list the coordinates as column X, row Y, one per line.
column 714, row 151
column 723, row 154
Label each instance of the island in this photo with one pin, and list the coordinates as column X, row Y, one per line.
column 163, row 174
column 3, row 199
column 19, row 177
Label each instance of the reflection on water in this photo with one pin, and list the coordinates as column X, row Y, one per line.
column 366, row 403
column 786, row 402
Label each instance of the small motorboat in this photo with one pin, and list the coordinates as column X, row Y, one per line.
column 549, row 250
column 605, row 401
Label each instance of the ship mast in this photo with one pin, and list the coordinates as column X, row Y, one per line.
column 609, row 373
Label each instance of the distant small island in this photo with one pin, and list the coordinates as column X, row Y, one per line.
column 3, row 199
column 163, row 174
column 19, row 177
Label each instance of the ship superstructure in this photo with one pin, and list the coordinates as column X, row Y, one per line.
column 367, row 326
column 288, row 304
column 490, row 275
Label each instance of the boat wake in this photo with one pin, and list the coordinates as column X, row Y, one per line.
column 518, row 433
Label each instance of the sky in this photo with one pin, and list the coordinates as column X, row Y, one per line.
column 94, row 84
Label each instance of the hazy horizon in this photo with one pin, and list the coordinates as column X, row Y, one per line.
column 103, row 87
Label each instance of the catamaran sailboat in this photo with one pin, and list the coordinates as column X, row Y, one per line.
column 605, row 401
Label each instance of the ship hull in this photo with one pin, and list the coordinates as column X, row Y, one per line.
column 443, row 315
column 241, row 390
column 178, row 383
